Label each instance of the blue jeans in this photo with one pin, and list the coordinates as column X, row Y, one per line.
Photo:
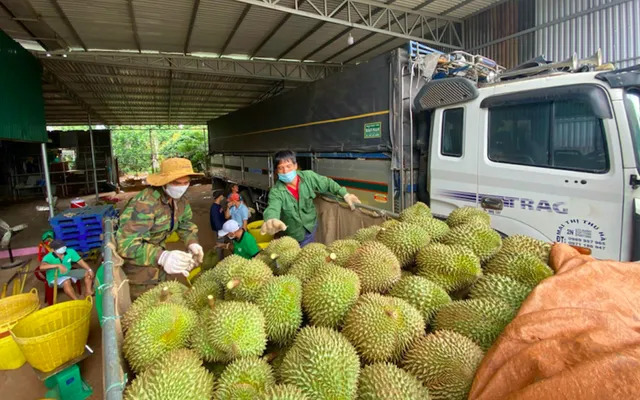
column 309, row 236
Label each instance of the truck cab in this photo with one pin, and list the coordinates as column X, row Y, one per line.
column 553, row 157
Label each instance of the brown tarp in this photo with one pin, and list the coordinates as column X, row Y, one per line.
column 577, row 336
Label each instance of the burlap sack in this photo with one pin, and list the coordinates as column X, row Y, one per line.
column 577, row 336
column 336, row 221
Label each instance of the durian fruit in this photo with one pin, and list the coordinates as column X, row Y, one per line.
column 451, row 267
column 389, row 223
column 484, row 241
column 467, row 215
column 385, row 381
column 215, row 368
column 197, row 296
column 404, row 240
column 367, row 234
column 178, row 374
column 167, row 292
column 376, row 266
column 526, row 268
column 284, row 392
column 416, row 214
column 245, row 379
column 157, row 331
column 445, row 362
column 329, row 295
column 422, row 294
column 500, row 287
column 200, row 342
column 274, row 355
column 343, row 249
column 526, row 244
column 435, row 228
column 280, row 254
column 236, row 329
column 244, row 281
column 323, row 364
column 481, row 320
column 311, row 258
column 281, row 303
column 381, row 328
column 218, row 273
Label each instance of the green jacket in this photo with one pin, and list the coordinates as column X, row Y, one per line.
column 300, row 215
column 145, row 224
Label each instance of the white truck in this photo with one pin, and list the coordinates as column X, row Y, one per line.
column 552, row 151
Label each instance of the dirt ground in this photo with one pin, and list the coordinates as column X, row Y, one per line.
column 22, row 383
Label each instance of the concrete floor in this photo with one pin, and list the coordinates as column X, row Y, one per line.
column 23, row 384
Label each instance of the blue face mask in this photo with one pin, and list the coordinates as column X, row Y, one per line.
column 288, row 177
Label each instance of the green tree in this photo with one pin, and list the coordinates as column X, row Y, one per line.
column 132, row 145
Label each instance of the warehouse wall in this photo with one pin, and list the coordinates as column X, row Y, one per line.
column 21, row 102
column 516, row 30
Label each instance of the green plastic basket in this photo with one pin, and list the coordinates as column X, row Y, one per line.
column 99, row 280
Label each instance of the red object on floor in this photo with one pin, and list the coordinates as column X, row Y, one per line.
column 48, row 290
column 78, row 203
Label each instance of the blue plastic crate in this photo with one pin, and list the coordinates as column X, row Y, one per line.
column 84, row 247
column 79, row 237
column 68, row 234
column 85, row 216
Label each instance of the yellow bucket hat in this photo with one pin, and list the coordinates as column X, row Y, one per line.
column 170, row 170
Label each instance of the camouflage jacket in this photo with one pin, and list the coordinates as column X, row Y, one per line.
column 145, row 224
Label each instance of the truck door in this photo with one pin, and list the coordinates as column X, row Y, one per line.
column 550, row 167
column 453, row 180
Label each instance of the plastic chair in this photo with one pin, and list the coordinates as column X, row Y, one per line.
column 48, row 290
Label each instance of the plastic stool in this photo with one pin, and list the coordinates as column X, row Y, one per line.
column 48, row 290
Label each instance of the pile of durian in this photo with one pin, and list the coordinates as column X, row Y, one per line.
column 404, row 310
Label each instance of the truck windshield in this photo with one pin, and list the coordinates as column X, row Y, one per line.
column 632, row 105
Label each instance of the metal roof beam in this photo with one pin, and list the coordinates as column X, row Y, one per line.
column 254, row 84
column 339, row 35
column 261, row 69
column 273, row 32
column 386, row 42
column 438, row 34
column 134, row 26
column 301, row 39
column 133, row 94
column 68, row 23
column 192, row 21
column 52, row 78
column 235, row 29
column 415, row 26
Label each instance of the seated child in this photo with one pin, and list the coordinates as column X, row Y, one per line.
column 243, row 243
column 62, row 258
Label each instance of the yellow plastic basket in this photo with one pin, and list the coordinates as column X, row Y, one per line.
column 10, row 355
column 13, row 308
column 54, row 335
column 254, row 230
column 263, row 245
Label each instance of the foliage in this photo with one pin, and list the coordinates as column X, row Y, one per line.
column 132, row 145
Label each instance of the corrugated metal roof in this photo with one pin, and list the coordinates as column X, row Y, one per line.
column 134, row 90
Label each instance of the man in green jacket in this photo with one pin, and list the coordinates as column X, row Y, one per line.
column 291, row 207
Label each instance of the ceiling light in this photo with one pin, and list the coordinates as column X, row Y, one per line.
column 64, row 55
column 48, row 54
column 350, row 40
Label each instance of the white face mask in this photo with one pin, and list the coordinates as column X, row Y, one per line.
column 176, row 191
column 61, row 250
